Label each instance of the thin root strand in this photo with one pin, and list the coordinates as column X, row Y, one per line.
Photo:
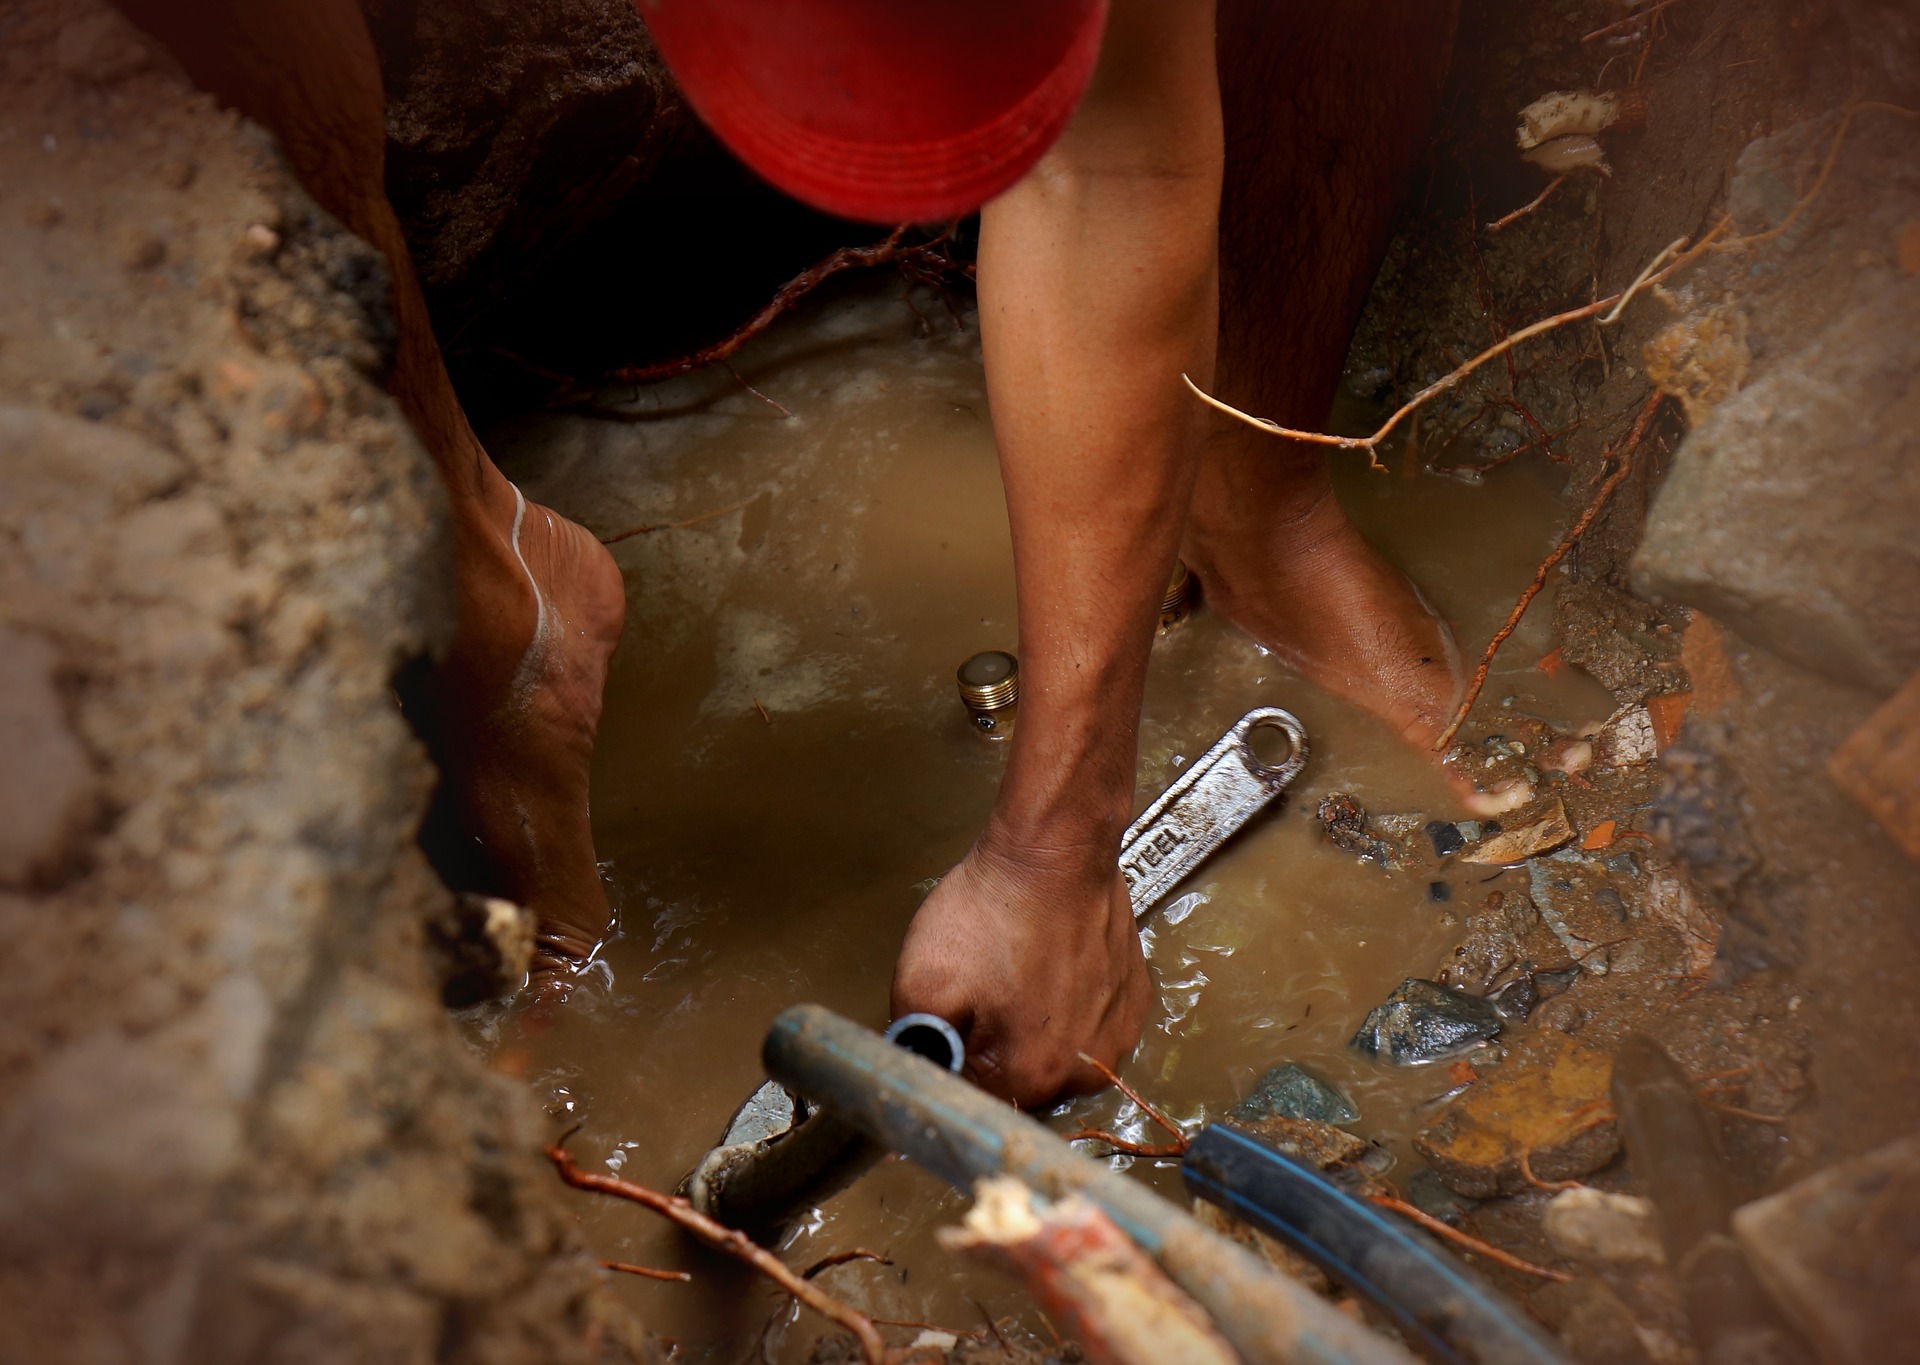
column 1608, row 486
column 736, row 1244
column 1466, row 1240
column 646, row 1271
column 1179, row 1133
column 1125, row 1148
column 1530, row 205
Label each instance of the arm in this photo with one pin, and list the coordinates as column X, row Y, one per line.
column 1097, row 290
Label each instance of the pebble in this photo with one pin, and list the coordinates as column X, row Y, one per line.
column 1423, row 1021
column 1516, row 999
column 1319, row 1145
column 1546, row 1100
column 1627, row 738
column 1291, row 1091
column 1550, row 831
column 1601, row 1229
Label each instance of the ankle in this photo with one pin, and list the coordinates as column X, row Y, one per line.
column 1257, row 499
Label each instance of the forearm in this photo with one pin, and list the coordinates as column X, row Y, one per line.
column 1098, row 289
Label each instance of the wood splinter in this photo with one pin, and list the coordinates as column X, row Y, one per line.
column 1079, row 1266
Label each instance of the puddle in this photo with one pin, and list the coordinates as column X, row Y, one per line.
column 784, row 762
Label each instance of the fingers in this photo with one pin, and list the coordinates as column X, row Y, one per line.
column 1038, row 1069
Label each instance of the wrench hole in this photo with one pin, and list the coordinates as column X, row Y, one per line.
column 1270, row 744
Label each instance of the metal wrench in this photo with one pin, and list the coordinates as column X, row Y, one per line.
column 778, row 1154
column 1223, row 789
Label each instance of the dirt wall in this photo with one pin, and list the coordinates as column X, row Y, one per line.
column 235, row 1123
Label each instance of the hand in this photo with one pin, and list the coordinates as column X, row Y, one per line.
column 1034, row 959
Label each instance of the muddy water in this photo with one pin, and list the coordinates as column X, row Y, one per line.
column 784, row 763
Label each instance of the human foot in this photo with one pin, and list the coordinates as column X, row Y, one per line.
column 511, row 713
column 1308, row 586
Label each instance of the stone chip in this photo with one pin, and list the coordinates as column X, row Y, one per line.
column 1548, row 1102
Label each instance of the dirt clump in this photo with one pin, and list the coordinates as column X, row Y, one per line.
column 1747, row 598
column 512, row 129
column 237, row 1123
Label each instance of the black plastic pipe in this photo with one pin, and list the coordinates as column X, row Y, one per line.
column 961, row 1133
column 1444, row 1312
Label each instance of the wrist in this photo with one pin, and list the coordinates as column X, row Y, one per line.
column 1067, row 827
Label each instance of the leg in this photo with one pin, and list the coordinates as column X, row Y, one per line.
column 510, row 713
column 1325, row 109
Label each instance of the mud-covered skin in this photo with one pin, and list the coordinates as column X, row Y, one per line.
column 237, row 1123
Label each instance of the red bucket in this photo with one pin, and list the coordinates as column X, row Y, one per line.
column 888, row 111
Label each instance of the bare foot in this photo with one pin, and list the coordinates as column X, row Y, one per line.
column 1308, row 586
column 512, row 711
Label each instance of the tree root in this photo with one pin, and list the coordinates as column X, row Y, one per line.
column 1466, row 1241
column 924, row 260
column 1532, row 204
column 736, row 1244
column 1608, row 486
column 1179, row 1145
column 650, row 527
column 1655, row 273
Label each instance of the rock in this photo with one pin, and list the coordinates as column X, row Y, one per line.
column 1548, row 1100
column 1597, row 1228
column 1344, row 821
column 1539, row 836
column 1837, row 1252
column 1446, row 836
column 1516, row 1000
column 1319, row 1145
column 1291, row 1091
column 1393, row 841
column 1609, row 633
column 47, row 789
column 1595, row 1327
column 236, row 1123
column 1498, row 939
column 512, row 128
column 1566, row 889
column 1788, row 515
column 1878, row 765
column 1423, row 1022
column 1671, row 902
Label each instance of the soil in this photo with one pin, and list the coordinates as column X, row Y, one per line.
column 514, row 129
column 236, row 1123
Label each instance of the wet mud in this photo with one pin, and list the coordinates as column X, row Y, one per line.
column 785, row 763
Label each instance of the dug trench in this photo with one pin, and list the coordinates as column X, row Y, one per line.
column 239, row 1121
